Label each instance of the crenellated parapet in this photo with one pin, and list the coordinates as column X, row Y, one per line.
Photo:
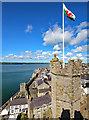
column 73, row 67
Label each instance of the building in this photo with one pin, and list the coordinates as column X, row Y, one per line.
column 66, row 96
column 66, row 86
column 88, row 105
column 42, row 88
column 40, row 106
column 42, row 85
column 84, row 108
column 85, row 83
column 49, row 78
column 18, row 106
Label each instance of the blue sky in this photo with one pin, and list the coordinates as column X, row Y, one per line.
column 32, row 32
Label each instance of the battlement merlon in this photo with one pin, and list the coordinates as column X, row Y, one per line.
column 72, row 68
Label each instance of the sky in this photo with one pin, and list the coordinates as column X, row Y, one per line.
column 32, row 32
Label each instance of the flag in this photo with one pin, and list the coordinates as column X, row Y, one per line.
column 69, row 14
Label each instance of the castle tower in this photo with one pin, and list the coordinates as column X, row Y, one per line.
column 22, row 87
column 88, row 105
column 66, row 86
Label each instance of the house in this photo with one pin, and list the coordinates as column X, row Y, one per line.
column 18, row 106
column 42, row 86
column 82, row 79
column 85, row 83
column 40, row 105
column 49, row 78
column 4, row 112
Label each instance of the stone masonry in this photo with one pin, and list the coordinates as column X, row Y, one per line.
column 22, row 87
column 66, row 86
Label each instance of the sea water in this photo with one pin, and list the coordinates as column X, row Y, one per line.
column 13, row 75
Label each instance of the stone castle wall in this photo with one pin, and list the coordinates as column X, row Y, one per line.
column 66, row 86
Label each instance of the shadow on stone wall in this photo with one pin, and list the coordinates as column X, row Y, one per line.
column 66, row 115
column 78, row 116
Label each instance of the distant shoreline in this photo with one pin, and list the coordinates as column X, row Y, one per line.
column 5, row 63
column 15, row 63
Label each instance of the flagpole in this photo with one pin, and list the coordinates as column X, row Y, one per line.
column 63, row 39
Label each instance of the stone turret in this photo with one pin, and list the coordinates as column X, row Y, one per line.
column 22, row 87
column 66, row 86
column 55, row 64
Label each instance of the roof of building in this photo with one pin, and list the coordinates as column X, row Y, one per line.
column 39, row 82
column 39, row 101
column 86, row 77
column 4, row 112
column 49, row 78
column 82, row 76
column 20, row 101
column 86, row 90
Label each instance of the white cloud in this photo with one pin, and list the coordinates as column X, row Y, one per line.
column 47, row 53
column 29, row 28
column 88, row 33
column 87, row 58
column 82, row 25
column 88, row 24
column 81, row 49
column 82, row 58
column 65, row 57
column 15, row 56
column 56, row 52
column 74, row 57
column 26, row 51
column 37, row 53
column 87, row 55
column 6, row 56
column 79, row 55
column 1, row 59
column 56, row 47
column 55, row 35
column 44, row 53
column 78, row 49
column 61, row 55
column 10, row 54
column 27, row 57
column 41, row 57
column 21, row 57
column 69, row 54
column 69, row 28
column 82, row 35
